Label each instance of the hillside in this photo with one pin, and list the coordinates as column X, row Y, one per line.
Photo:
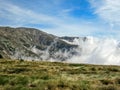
column 32, row 44
column 32, row 75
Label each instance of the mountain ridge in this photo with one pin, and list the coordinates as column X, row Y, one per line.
column 26, row 43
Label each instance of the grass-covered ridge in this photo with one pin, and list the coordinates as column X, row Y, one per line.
column 31, row 75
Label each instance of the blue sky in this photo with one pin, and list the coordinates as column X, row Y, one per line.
column 100, row 18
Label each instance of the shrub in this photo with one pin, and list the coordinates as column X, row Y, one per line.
column 3, row 80
column 117, row 80
column 19, row 81
column 108, row 87
column 106, row 81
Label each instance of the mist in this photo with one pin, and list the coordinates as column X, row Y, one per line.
column 90, row 50
column 97, row 51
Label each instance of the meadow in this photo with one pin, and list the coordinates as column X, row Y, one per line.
column 40, row 75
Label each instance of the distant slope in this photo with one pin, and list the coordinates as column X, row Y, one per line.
column 30, row 43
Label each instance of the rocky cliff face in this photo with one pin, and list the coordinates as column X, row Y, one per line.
column 32, row 44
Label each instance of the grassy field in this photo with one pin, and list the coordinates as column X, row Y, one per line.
column 31, row 75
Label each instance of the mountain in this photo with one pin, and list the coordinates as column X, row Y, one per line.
column 70, row 39
column 32, row 44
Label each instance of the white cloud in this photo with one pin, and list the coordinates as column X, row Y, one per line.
column 19, row 16
column 108, row 10
column 59, row 24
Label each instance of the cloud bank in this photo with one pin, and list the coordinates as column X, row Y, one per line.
column 97, row 51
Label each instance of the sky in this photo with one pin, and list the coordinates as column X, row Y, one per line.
column 99, row 18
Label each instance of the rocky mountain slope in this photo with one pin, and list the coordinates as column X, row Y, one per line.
column 32, row 44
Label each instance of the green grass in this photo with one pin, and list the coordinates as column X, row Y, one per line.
column 32, row 75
